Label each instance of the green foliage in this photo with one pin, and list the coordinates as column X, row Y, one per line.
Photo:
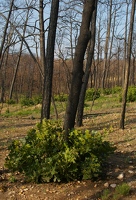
column 37, row 100
column 92, row 94
column 107, row 91
column 105, row 195
column 61, row 97
column 131, row 94
column 116, row 90
column 11, row 101
column 44, row 155
column 27, row 102
column 123, row 190
column 119, row 192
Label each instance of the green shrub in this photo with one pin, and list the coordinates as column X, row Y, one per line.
column 11, row 101
column 92, row 94
column 131, row 94
column 119, row 192
column 116, row 90
column 44, row 156
column 37, row 100
column 123, row 189
column 61, row 97
column 27, row 102
column 105, row 195
column 107, row 91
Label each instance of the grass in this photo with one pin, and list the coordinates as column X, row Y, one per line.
column 104, row 102
column 120, row 191
column 17, row 110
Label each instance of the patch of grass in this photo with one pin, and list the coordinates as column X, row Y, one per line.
column 106, row 102
column 119, row 192
column 105, row 194
column 22, row 112
column 123, row 189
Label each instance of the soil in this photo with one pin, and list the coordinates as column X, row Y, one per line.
column 122, row 165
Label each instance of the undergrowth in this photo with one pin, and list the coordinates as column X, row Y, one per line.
column 44, row 155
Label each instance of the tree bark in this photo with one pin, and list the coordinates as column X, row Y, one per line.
column 80, row 109
column 48, row 72
column 127, row 71
column 106, row 47
column 77, row 74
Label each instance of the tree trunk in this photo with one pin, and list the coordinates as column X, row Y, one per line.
column 5, row 32
column 127, row 71
column 48, row 72
column 77, row 74
column 87, row 70
column 106, row 47
column 18, row 60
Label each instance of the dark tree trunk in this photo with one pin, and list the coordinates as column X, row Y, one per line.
column 77, row 74
column 87, row 70
column 48, row 73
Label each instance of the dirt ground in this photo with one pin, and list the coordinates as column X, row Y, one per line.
column 122, row 163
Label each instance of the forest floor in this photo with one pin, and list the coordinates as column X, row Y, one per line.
column 122, row 165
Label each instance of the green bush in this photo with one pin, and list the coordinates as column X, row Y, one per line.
column 116, row 90
column 92, row 94
column 61, row 97
column 11, row 101
column 44, row 156
column 27, row 102
column 131, row 95
column 37, row 100
column 107, row 91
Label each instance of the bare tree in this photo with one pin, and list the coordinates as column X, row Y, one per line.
column 48, row 71
column 106, row 46
column 88, row 68
column 127, row 67
column 5, row 31
column 77, row 74
column 19, row 57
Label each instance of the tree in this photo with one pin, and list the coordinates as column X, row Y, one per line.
column 48, row 70
column 4, row 51
column 106, row 46
column 127, row 67
column 90, row 54
column 18, row 59
column 5, row 32
column 77, row 74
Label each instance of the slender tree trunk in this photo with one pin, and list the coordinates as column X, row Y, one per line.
column 77, row 74
column 127, row 71
column 18, row 60
column 125, row 44
column 80, row 109
column 47, row 91
column 106, row 47
column 5, row 32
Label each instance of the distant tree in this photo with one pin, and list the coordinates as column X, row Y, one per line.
column 106, row 47
column 4, row 52
column 19, row 57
